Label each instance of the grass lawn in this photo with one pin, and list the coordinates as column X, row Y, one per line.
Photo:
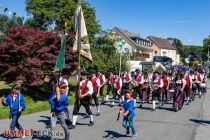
column 31, row 106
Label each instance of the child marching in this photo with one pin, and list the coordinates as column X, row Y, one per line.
column 128, row 114
column 16, row 103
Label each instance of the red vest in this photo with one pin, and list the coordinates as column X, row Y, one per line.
column 165, row 81
column 160, row 88
column 101, row 79
column 138, row 78
column 84, row 88
column 187, row 78
column 199, row 77
column 118, row 83
column 111, row 79
column 127, row 78
column 95, row 87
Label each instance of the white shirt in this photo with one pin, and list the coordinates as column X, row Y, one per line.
column 119, row 81
column 89, row 86
column 97, row 81
column 161, row 82
column 124, row 78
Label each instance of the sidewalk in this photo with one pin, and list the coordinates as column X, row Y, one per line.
column 203, row 129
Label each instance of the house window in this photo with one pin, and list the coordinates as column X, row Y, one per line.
column 164, row 53
column 126, row 50
column 155, row 52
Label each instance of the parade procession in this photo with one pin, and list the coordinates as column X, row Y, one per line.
column 63, row 77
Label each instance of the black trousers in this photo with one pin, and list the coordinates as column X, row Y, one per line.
column 156, row 95
column 125, row 87
column 164, row 94
column 110, row 88
column 102, row 92
column 187, row 92
column 95, row 98
column 86, row 102
column 198, row 87
column 116, row 94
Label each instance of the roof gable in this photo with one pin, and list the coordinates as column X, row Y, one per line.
column 128, row 36
column 161, row 43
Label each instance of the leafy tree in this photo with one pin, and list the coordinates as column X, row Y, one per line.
column 30, row 55
column 206, row 45
column 104, row 55
column 9, row 22
column 56, row 12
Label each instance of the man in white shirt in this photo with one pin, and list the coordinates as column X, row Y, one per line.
column 84, row 99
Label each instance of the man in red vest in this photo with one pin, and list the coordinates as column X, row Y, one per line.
column 157, row 88
column 110, row 84
column 198, row 82
column 126, row 81
column 188, row 86
column 166, row 82
column 84, row 98
column 117, row 89
column 140, row 86
column 102, row 83
column 96, row 85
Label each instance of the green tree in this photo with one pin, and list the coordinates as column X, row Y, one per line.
column 206, row 45
column 9, row 22
column 55, row 12
column 104, row 55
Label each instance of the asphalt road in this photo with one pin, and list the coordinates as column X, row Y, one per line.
column 162, row 124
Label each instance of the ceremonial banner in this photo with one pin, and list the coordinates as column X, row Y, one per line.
column 60, row 63
column 85, row 46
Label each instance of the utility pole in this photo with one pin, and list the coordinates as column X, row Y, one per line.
column 208, row 53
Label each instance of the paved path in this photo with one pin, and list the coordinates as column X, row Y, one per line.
column 190, row 123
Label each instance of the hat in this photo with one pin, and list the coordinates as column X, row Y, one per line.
column 93, row 71
column 62, row 85
column 16, row 86
column 137, row 70
column 165, row 72
column 156, row 72
column 128, row 91
column 84, row 73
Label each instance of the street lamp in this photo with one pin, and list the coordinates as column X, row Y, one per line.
column 120, row 44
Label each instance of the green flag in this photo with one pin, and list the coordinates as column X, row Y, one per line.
column 60, row 63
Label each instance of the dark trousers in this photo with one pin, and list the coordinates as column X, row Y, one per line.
column 102, row 92
column 110, row 88
column 135, row 92
column 164, row 94
column 62, row 117
column 125, row 87
column 198, row 87
column 14, row 123
column 187, row 92
column 156, row 95
column 95, row 98
column 116, row 94
column 85, row 103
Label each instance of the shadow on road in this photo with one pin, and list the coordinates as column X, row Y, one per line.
column 2, row 136
column 46, row 122
column 168, row 109
column 41, row 137
column 112, row 134
column 144, row 108
column 201, row 122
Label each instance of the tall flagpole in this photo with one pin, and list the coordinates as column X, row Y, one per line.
column 79, row 48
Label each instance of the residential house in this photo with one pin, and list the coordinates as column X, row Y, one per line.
column 132, row 45
column 164, row 47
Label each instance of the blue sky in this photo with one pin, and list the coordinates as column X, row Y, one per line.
column 188, row 20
